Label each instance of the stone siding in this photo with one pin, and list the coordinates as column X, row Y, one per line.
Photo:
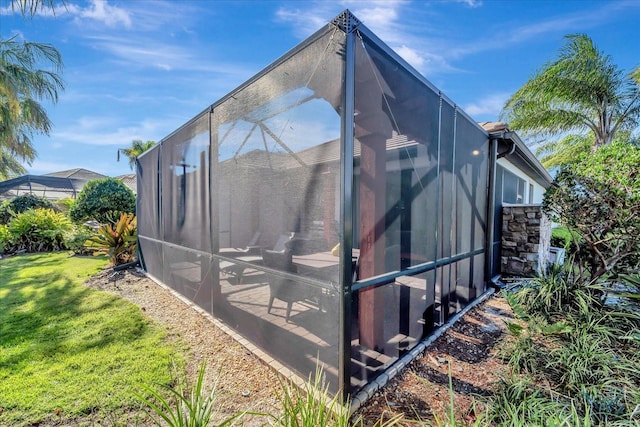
column 526, row 238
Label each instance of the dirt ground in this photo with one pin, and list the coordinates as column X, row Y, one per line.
column 245, row 383
column 466, row 353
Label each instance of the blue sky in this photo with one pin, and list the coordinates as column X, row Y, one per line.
column 139, row 69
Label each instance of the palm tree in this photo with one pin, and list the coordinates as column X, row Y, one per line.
column 569, row 149
column 566, row 150
column 29, row 73
column 31, row 7
column 581, row 92
column 9, row 165
column 137, row 147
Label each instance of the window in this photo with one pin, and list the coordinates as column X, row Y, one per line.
column 513, row 187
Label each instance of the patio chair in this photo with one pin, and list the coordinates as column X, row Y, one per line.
column 252, row 248
column 283, row 242
column 252, row 256
column 282, row 288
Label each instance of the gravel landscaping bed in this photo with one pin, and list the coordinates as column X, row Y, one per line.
column 467, row 351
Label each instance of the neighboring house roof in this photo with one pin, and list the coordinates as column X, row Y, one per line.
column 517, row 152
column 129, row 180
column 78, row 173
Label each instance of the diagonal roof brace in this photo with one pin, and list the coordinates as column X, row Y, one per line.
column 280, row 143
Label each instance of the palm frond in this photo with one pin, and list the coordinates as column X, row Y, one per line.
column 580, row 90
column 29, row 74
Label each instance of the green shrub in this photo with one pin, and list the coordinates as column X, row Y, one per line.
column 312, row 405
column 103, row 200
column 518, row 402
column 118, row 242
column 38, row 230
column 580, row 351
column 76, row 239
column 561, row 237
column 583, row 359
column 29, row 201
column 64, row 205
column 10, row 208
column 558, row 292
column 600, row 203
column 4, row 237
column 5, row 212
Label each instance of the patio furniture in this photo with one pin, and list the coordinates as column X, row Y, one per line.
column 282, row 288
column 283, row 242
column 321, row 265
column 252, row 248
column 252, row 256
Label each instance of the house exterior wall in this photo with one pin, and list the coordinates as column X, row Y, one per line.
column 526, row 238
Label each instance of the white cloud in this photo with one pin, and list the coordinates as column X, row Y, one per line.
column 489, row 105
column 140, row 51
column 102, row 11
column 411, row 56
column 166, row 15
column 146, row 52
column 97, row 10
column 558, row 25
column 383, row 17
column 470, row 3
column 432, row 50
column 305, row 22
column 100, row 131
column 515, row 32
column 380, row 16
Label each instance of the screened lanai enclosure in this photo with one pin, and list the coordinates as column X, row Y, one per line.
column 331, row 210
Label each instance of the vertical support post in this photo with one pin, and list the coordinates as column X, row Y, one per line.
column 138, row 251
column 437, row 282
column 449, row 204
column 373, row 128
column 214, row 210
column 160, row 219
column 372, row 244
column 346, row 213
column 204, row 295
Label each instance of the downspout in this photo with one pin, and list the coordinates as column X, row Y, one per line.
column 508, row 152
column 491, row 211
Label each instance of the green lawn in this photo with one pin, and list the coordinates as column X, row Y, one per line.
column 67, row 351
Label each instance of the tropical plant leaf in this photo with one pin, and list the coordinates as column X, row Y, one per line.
column 118, row 241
